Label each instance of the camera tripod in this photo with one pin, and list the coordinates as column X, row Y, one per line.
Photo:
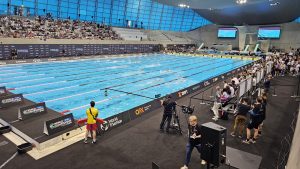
column 176, row 122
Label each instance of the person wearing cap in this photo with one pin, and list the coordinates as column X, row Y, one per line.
column 91, row 126
column 169, row 108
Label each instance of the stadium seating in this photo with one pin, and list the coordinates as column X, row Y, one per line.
column 47, row 28
column 131, row 34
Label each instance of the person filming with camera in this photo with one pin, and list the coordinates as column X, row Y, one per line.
column 194, row 141
column 169, row 108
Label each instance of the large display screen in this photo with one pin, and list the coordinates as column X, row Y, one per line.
column 269, row 32
column 227, row 32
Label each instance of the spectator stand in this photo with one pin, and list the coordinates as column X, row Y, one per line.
column 245, row 88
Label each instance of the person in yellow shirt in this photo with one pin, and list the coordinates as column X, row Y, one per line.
column 91, row 126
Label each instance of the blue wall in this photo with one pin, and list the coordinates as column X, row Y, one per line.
column 297, row 20
column 142, row 13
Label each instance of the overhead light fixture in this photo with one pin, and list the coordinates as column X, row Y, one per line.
column 275, row 4
column 183, row 6
column 241, row 1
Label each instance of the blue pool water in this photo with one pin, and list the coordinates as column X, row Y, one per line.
column 71, row 85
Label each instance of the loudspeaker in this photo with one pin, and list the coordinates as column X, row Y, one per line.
column 213, row 146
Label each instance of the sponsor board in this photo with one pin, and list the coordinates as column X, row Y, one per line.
column 2, row 91
column 206, row 83
column 182, row 93
column 52, row 59
column 58, row 124
column 6, row 101
column 21, row 61
column 196, row 87
column 36, row 60
column 141, row 110
column 22, row 51
column 115, row 121
column 215, row 79
column 32, row 111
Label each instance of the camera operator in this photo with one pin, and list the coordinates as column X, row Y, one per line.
column 169, row 107
column 194, row 133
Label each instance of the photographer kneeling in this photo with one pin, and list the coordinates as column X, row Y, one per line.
column 169, row 107
column 194, row 134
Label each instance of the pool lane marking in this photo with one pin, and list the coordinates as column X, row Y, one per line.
column 103, row 80
column 22, row 76
column 91, row 71
column 75, row 66
column 4, row 75
column 104, row 100
column 47, row 91
column 13, row 70
column 118, row 96
column 121, row 77
column 69, row 96
column 43, row 84
column 23, row 81
column 159, row 76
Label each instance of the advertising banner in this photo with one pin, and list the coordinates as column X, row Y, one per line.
column 32, row 111
column 58, row 124
column 10, row 100
column 115, row 121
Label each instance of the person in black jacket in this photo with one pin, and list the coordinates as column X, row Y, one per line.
column 194, row 134
column 255, row 121
column 169, row 108
column 241, row 117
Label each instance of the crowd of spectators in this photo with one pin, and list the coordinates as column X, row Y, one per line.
column 48, row 28
column 250, row 112
column 284, row 64
column 181, row 48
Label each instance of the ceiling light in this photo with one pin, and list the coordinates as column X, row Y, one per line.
column 183, row 6
column 241, row 1
column 275, row 4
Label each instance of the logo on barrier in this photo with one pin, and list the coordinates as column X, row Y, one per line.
column 11, row 100
column 58, row 124
column 182, row 93
column 22, row 50
column 110, row 123
column 34, row 110
column 21, row 61
column 141, row 110
column 61, row 123
column 2, row 63
column 52, row 59
column 215, row 79
column 36, row 60
column 104, row 126
column 206, row 83
column 54, row 50
column 196, row 87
